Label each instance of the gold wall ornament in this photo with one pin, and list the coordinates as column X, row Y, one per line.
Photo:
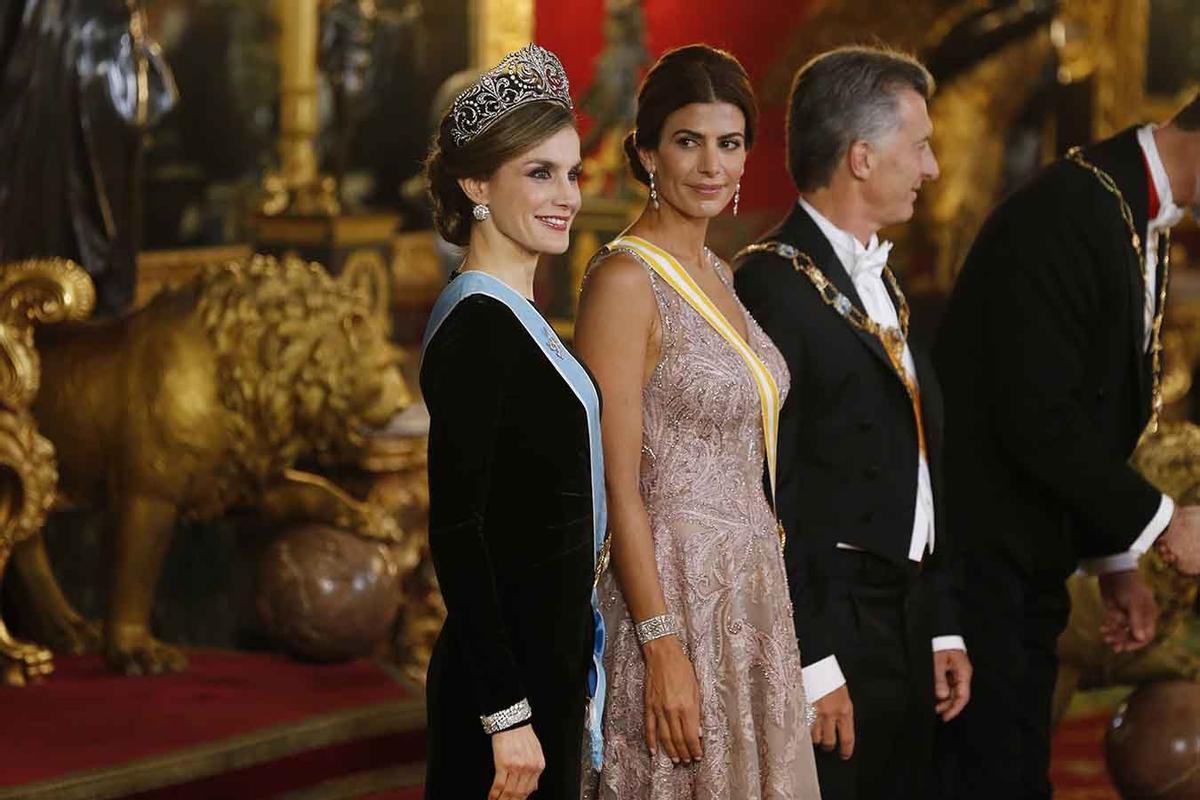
column 33, row 291
column 202, row 400
column 1170, row 459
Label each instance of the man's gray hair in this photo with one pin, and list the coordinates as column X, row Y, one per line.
column 841, row 97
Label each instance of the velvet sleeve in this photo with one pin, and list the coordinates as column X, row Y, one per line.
column 463, row 377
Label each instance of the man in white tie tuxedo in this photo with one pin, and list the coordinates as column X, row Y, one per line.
column 1050, row 355
column 867, row 551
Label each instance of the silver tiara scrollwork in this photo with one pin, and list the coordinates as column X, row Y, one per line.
column 528, row 75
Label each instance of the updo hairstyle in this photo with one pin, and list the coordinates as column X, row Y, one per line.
column 696, row 73
column 516, row 132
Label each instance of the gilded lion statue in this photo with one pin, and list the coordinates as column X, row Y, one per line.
column 201, row 401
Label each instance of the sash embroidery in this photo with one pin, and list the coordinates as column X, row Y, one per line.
column 576, row 377
column 670, row 270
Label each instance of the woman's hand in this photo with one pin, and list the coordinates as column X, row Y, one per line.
column 672, row 701
column 517, row 754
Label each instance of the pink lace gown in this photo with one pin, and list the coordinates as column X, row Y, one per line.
column 722, row 573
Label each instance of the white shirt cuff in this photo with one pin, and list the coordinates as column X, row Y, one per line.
column 1122, row 562
column 821, row 678
column 941, row 643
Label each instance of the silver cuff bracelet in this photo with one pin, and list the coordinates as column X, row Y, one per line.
column 656, row 627
column 503, row 720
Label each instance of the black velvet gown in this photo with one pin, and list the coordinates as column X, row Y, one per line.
column 511, row 534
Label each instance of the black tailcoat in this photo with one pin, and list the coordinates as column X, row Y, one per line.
column 848, row 460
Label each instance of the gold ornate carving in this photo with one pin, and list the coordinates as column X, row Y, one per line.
column 417, row 276
column 50, row 290
column 201, row 400
column 168, row 269
column 366, row 272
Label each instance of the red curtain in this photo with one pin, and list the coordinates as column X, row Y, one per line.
column 758, row 32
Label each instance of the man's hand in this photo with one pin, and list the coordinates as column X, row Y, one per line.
column 834, row 726
column 1130, row 613
column 1182, row 540
column 951, row 683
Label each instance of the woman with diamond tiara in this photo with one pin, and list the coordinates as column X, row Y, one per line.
column 517, row 503
column 704, row 670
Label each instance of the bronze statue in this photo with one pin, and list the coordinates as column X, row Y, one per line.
column 80, row 80
column 30, row 291
column 611, row 99
column 201, row 401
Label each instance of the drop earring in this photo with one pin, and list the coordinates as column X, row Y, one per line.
column 737, row 196
column 653, row 192
column 481, row 212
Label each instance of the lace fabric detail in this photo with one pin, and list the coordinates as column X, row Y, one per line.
column 722, row 575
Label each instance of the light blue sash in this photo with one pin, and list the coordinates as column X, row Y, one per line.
column 475, row 282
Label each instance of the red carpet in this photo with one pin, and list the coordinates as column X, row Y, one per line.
column 234, row 725
column 1077, row 765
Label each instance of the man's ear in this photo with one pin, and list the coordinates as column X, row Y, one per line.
column 476, row 189
column 861, row 159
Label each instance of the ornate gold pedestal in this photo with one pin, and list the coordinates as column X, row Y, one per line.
column 38, row 291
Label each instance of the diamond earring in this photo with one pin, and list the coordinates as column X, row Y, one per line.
column 481, row 212
column 737, row 196
column 653, row 192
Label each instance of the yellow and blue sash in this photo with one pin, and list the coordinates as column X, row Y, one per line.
column 576, row 377
column 670, row 270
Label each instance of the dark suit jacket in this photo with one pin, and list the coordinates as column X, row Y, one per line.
column 1047, row 384
column 847, row 437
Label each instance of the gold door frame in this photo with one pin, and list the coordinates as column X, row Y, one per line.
column 499, row 27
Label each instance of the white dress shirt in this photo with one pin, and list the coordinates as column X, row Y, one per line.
column 1168, row 214
column 865, row 264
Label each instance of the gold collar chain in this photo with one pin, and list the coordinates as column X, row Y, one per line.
column 1075, row 156
column 893, row 340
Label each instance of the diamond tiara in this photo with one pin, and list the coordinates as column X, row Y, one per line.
column 528, row 75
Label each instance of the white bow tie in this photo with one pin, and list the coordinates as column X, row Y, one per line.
column 870, row 261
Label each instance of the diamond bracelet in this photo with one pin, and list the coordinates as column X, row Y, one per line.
column 656, row 627
column 503, row 720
